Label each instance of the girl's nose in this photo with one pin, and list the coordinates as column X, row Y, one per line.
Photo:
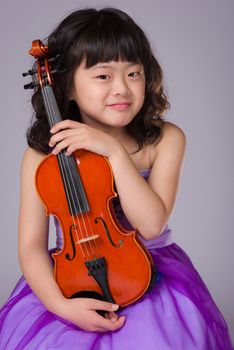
column 120, row 87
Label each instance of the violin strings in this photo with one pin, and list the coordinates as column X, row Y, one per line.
column 65, row 176
column 50, row 116
column 63, row 173
column 73, row 191
column 90, row 242
column 52, row 121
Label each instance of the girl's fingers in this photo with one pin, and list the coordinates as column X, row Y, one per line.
column 112, row 316
column 64, row 124
column 71, row 143
column 65, row 134
column 102, row 305
column 59, row 147
column 110, row 325
column 112, row 322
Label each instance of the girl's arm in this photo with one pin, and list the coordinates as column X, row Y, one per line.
column 33, row 235
column 37, row 265
column 148, row 205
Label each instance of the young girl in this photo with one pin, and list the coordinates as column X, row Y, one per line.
column 110, row 93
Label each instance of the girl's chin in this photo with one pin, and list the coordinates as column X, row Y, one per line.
column 118, row 124
column 110, row 120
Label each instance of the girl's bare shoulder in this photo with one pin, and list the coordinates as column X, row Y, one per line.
column 172, row 136
column 33, row 155
column 171, row 131
column 31, row 159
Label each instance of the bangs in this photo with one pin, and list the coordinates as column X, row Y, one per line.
column 110, row 39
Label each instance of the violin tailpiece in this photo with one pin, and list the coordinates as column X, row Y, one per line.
column 97, row 269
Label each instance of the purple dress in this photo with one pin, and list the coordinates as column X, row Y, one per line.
column 177, row 314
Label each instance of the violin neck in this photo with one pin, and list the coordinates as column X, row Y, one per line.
column 50, row 103
column 76, row 197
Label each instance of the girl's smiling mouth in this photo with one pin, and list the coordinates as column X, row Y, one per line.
column 119, row 106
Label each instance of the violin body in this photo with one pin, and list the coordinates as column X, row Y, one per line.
column 94, row 235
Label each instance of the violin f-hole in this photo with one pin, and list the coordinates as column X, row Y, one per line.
column 108, row 233
column 68, row 256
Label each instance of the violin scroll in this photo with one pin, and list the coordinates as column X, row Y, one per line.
column 42, row 74
column 38, row 50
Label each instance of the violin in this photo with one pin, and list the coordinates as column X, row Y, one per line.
column 99, row 258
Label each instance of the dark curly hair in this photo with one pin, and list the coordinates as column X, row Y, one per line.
column 100, row 36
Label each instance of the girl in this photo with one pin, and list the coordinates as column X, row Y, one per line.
column 110, row 93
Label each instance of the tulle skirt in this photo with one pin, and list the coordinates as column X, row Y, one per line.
column 177, row 314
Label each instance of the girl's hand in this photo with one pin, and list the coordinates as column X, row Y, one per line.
column 82, row 313
column 72, row 135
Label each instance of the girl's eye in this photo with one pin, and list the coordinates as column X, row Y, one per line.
column 103, row 77
column 134, row 74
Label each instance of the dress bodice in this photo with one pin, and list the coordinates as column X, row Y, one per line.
column 164, row 239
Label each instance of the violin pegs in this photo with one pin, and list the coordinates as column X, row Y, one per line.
column 29, row 72
column 30, row 86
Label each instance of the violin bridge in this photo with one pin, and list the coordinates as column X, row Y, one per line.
column 87, row 239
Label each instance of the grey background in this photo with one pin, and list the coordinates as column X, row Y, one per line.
column 194, row 43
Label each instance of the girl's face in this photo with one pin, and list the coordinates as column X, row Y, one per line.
column 109, row 94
